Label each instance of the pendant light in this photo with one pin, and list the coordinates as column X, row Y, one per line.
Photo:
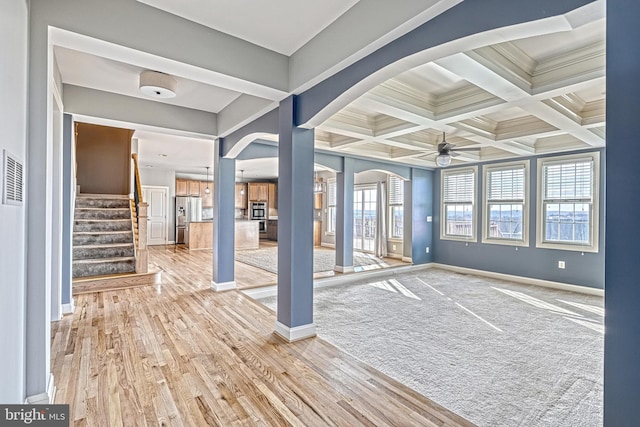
column 318, row 186
column 242, row 180
column 207, row 190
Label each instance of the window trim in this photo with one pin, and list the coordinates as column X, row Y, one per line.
column 594, row 230
column 525, row 205
column 474, row 205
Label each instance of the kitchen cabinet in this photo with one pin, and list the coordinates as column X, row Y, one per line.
column 181, row 187
column 317, row 200
column 258, row 192
column 193, row 187
column 273, row 195
column 272, row 229
column 241, row 197
column 207, row 199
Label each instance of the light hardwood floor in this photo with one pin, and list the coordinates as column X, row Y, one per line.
column 181, row 354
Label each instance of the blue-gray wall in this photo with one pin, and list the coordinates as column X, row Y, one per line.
column 421, row 209
column 622, row 299
column 582, row 268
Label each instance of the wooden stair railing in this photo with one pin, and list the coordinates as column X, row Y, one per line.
column 139, row 217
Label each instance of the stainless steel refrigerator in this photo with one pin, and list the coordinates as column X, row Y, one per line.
column 188, row 209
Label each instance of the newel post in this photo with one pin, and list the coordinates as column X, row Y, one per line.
column 142, row 255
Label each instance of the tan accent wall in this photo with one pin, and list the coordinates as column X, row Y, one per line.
column 103, row 156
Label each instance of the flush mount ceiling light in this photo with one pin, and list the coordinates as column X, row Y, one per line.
column 157, row 85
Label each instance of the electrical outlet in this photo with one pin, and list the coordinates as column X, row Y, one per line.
column 393, row 247
column 427, row 249
column 560, row 264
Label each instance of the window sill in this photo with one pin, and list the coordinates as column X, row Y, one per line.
column 506, row 242
column 462, row 239
column 567, row 247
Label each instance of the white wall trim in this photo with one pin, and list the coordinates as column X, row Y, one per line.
column 407, row 259
column 264, row 292
column 43, row 398
column 526, row 280
column 69, row 308
column 296, row 333
column 327, row 245
column 224, row 286
column 343, row 269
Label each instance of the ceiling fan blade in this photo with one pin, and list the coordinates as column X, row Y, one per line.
column 453, row 154
column 445, row 146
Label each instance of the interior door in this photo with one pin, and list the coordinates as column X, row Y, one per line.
column 157, row 198
column 364, row 219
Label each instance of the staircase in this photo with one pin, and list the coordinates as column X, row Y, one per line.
column 103, row 236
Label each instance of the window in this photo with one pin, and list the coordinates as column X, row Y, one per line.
column 568, row 216
column 505, row 195
column 331, row 206
column 458, row 204
column 396, row 207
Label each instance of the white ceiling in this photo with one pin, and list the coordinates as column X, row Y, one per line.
column 525, row 97
column 283, row 26
column 96, row 72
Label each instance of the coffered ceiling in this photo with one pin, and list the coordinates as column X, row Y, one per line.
column 520, row 98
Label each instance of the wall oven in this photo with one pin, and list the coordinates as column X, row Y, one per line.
column 258, row 211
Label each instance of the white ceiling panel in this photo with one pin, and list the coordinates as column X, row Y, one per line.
column 279, row 25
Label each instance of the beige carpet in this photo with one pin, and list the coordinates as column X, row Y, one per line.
column 495, row 352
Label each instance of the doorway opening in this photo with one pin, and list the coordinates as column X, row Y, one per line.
column 364, row 218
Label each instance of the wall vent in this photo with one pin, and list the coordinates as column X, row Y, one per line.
column 12, row 180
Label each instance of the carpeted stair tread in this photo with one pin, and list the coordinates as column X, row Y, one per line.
column 102, row 224
column 108, row 245
column 103, row 238
column 102, row 213
column 105, row 260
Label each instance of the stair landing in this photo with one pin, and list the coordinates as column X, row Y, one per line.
column 113, row 282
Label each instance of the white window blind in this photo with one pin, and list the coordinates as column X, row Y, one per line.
column 459, row 187
column 505, row 184
column 331, row 192
column 568, row 181
column 396, row 190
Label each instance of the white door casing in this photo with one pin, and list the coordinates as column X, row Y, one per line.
column 157, row 227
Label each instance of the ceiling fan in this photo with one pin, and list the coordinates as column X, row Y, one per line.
column 446, row 152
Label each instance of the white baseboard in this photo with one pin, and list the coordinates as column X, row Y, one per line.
column 327, row 245
column 224, row 286
column 407, row 259
column 343, row 269
column 69, row 308
column 45, row 398
column 526, row 280
column 296, row 333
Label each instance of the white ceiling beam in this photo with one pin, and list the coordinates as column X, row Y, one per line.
column 478, row 74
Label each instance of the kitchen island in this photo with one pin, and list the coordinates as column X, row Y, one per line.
column 199, row 235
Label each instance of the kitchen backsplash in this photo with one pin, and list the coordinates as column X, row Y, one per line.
column 207, row 214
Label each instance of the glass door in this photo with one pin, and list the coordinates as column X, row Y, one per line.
column 364, row 219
